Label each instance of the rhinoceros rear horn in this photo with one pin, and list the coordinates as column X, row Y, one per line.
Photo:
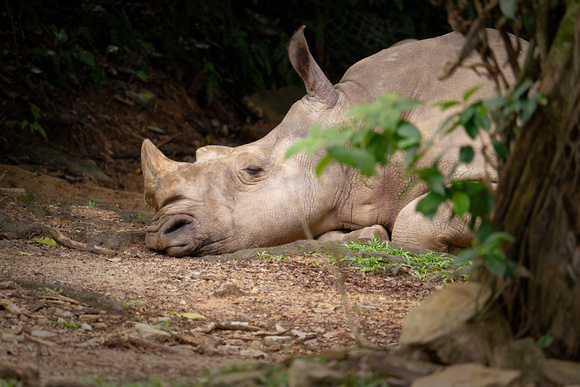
column 317, row 84
column 154, row 165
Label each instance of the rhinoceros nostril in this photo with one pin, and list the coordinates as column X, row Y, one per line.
column 175, row 225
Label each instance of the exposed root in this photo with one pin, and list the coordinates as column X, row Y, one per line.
column 71, row 244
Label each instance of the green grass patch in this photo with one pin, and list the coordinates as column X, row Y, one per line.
column 269, row 257
column 423, row 266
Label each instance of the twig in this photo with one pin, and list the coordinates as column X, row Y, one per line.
column 40, row 341
column 57, row 236
column 61, row 298
column 150, row 344
column 226, row 326
column 347, row 309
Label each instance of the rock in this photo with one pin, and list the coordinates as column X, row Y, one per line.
column 443, row 312
column 12, row 338
column 229, row 349
column 464, row 345
column 302, row 335
column 470, row 374
column 100, row 325
column 523, row 354
column 42, row 334
column 86, row 327
column 148, row 332
column 10, row 306
column 280, row 329
column 63, row 313
column 12, row 191
column 209, row 347
column 12, row 229
column 7, row 284
column 308, row 373
column 276, row 340
column 228, row 289
column 255, row 344
column 253, row 353
column 561, row 372
column 86, row 168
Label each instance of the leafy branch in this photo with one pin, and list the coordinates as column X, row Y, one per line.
column 375, row 132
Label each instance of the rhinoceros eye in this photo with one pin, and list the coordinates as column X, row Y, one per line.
column 254, row 171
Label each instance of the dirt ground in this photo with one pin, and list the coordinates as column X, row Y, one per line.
column 206, row 312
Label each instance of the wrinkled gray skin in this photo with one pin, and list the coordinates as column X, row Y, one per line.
column 250, row 196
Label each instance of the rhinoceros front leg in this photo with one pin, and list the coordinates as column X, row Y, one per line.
column 443, row 233
column 364, row 233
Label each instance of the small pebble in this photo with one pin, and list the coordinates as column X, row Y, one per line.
column 86, row 327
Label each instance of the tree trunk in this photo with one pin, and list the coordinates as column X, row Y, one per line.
column 539, row 203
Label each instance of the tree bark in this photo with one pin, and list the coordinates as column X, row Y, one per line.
column 538, row 202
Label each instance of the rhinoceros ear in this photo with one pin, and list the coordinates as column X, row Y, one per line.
column 317, row 84
column 154, row 165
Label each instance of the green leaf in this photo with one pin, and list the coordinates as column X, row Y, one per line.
column 466, row 154
column 483, row 232
column 545, row 341
column 46, row 241
column 470, row 92
column 495, row 103
column 429, row 205
column 461, row 203
column 446, row 104
column 309, row 145
column 500, row 149
column 508, row 8
column 410, row 136
column 360, row 110
column 471, row 128
column 86, row 57
column 496, row 263
column 322, row 164
column 407, row 104
column 411, row 156
column 496, row 239
column 482, row 120
column 466, row 255
column 521, row 89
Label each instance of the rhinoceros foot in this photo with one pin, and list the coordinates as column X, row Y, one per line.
column 377, row 231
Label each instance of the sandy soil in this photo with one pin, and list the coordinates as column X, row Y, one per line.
column 207, row 312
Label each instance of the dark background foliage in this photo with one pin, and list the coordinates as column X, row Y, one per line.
column 223, row 46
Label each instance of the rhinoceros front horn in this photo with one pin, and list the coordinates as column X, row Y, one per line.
column 154, row 165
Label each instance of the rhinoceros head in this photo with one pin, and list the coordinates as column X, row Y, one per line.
column 248, row 196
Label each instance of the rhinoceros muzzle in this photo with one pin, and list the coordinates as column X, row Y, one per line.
column 172, row 234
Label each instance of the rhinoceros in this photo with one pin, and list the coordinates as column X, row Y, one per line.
column 233, row 198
